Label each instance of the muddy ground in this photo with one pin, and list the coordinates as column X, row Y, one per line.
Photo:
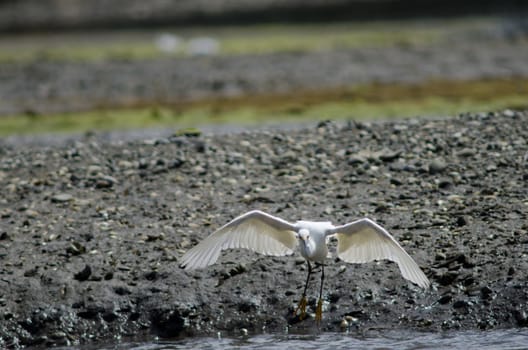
column 91, row 231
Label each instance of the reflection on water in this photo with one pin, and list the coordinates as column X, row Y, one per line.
column 500, row 339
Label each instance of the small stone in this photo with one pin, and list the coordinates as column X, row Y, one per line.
column 62, row 198
column 58, row 335
column 486, row 292
column 445, row 299
column 6, row 213
column 351, row 318
column 110, row 316
column 445, row 184
column 389, row 156
column 355, row 159
column 125, row 164
column 105, row 181
column 437, row 166
column 460, row 304
column 521, row 317
column 344, row 324
column 466, row 152
column 76, row 248
column 32, row 214
column 93, row 170
column 84, row 274
column 461, row 221
column 31, row 272
column 440, row 256
column 396, row 182
column 446, row 278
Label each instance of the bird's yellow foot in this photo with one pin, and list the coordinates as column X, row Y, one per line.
column 319, row 311
column 301, row 307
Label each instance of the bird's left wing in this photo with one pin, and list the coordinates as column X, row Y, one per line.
column 363, row 240
column 255, row 230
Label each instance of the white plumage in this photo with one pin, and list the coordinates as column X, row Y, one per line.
column 358, row 242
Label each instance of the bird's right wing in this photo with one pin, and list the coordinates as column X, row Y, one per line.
column 255, row 230
column 363, row 240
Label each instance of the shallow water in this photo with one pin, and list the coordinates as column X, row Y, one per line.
column 499, row 339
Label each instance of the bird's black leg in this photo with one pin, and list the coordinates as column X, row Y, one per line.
column 302, row 303
column 319, row 309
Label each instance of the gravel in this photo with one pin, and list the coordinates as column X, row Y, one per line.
column 91, row 231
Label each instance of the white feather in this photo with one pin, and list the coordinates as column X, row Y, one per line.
column 255, row 230
column 363, row 241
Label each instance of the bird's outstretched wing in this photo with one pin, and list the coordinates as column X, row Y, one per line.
column 255, row 230
column 363, row 240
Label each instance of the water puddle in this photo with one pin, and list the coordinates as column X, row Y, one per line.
column 498, row 339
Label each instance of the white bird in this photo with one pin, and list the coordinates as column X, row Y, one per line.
column 360, row 241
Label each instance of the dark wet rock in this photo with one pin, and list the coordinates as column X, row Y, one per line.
column 396, row 182
column 460, row 304
column 84, row 274
column 462, row 221
column 521, row 316
column 445, row 299
column 167, row 323
column 486, row 292
column 445, row 278
column 445, row 184
column 122, row 290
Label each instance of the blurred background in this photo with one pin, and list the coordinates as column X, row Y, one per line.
column 73, row 66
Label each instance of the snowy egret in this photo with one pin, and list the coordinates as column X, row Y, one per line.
column 360, row 241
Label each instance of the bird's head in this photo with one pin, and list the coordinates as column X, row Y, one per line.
column 304, row 235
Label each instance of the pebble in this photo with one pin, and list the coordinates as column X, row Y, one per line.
column 62, row 197
column 437, row 166
column 125, row 164
column 344, row 324
column 93, row 170
column 460, row 304
column 521, row 317
column 486, row 292
column 466, row 152
column 84, row 274
column 351, row 319
column 105, row 181
column 388, row 156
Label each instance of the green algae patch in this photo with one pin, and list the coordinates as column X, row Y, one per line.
column 371, row 101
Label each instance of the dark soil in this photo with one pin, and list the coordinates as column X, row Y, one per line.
column 91, row 232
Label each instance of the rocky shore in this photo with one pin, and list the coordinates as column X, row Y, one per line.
column 91, row 231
